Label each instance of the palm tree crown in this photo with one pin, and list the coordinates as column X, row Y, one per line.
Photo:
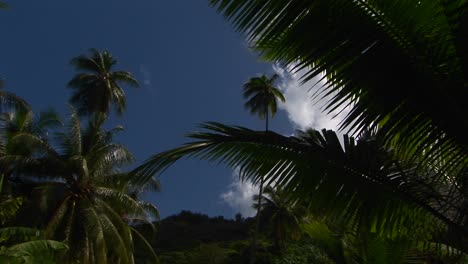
column 96, row 87
column 262, row 95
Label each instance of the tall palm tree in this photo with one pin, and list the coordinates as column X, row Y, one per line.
column 79, row 189
column 261, row 96
column 399, row 65
column 97, row 85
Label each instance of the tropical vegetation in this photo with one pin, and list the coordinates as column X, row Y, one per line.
column 399, row 70
column 390, row 186
column 67, row 180
column 261, row 96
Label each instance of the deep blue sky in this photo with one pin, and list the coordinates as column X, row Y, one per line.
column 190, row 62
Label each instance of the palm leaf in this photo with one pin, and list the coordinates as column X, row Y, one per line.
column 402, row 64
column 40, row 251
column 361, row 184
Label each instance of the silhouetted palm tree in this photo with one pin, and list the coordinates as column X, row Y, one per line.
column 261, row 96
column 284, row 215
column 97, row 86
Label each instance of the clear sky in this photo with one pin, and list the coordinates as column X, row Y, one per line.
column 189, row 61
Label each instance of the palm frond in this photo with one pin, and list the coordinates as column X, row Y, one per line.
column 361, row 184
column 120, row 201
column 149, row 248
column 39, row 251
column 18, row 233
column 11, row 101
column 402, row 64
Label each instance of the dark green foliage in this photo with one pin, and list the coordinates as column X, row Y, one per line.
column 400, row 65
column 196, row 238
column 189, row 230
column 303, row 252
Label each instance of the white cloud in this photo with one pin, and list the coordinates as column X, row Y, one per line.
column 239, row 195
column 303, row 110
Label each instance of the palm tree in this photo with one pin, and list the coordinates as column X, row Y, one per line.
column 284, row 215
column 261, row 98
column 76, row 184
column 360, row 183
column 97, row 86
column 399, row 65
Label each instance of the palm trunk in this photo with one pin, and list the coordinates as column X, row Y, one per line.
column 259, row 208
column 257, row 224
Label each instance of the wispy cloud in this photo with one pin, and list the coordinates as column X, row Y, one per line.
column 304, row 111
column 146, row 75
column 147, row 80
column 239, row 195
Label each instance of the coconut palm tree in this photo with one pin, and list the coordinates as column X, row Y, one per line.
column 97, row 86
column 76, row 185
column 398, row 65
column 284, row 215
column 261, row 96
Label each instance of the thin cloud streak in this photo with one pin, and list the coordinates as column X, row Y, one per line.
column 147, row 80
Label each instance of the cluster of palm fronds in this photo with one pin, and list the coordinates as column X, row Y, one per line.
column 69, row 176
column 401, row 68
